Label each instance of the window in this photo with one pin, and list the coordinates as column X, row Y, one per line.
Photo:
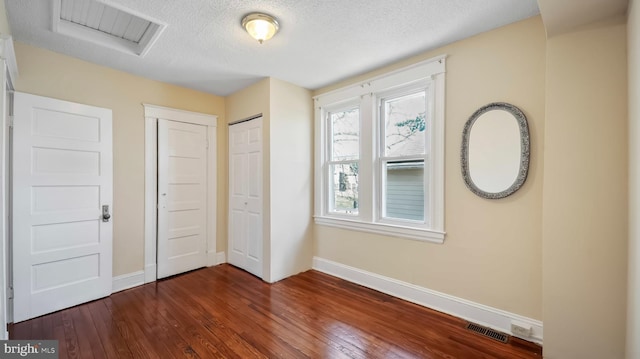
column 380, row 154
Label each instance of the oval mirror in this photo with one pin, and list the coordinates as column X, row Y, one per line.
column 495, row 150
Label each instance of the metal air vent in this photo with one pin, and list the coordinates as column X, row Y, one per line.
column 488, row 332
column 106, row 24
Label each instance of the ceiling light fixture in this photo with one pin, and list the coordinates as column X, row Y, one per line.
column 261, row 27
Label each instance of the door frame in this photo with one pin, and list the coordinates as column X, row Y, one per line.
column 8, row 76
column 152, row 113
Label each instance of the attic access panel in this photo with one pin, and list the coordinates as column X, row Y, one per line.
column 107, row 25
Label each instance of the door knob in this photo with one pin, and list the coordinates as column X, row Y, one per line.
column 105, row 213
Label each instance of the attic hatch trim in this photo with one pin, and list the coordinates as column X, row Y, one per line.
column 154, row 28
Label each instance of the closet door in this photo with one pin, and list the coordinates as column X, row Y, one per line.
column 182, row 197
column 245, row 196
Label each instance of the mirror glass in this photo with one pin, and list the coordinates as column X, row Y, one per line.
column 495, row 156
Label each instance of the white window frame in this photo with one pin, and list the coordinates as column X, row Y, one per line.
column 429, row 74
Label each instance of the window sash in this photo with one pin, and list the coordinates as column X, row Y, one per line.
column 383, row 189
column 331, row 189
column 381, row 118
column 331, row 134
column 383, row 159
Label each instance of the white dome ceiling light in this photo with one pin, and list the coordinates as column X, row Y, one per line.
column 260, row 26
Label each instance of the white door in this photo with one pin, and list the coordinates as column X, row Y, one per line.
column 62, row 184
column 182, row 197
column 245, row 195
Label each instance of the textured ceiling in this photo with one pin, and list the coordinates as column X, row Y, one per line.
column 320, row 41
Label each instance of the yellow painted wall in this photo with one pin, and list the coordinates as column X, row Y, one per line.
column 633, row 298
column 584, row 258
column 492, row 249
column 46, row 73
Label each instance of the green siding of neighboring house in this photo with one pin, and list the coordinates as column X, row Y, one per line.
column 405, row 192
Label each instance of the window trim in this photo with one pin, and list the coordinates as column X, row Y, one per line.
column 386, row 229
column 368, row 93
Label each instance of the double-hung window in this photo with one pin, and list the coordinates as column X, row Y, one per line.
column 380, row 154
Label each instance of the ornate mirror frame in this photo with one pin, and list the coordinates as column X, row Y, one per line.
column 524, row 150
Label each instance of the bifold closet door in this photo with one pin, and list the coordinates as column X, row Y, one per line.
column 245, row 196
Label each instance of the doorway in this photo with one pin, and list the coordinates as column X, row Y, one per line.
column 180, row 191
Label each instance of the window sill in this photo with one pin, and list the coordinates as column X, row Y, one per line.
column 418, row 234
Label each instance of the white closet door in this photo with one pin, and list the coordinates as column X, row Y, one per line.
column 245, row 196
column 182, row 197
column 62, row 179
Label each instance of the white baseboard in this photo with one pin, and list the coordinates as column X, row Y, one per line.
column 474, row 312
column 150, row 273
column 127, row 281
column 213, row 258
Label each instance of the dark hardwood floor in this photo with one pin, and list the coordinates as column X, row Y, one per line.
column 223, row 312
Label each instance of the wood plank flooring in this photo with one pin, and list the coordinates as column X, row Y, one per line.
column 223, row 312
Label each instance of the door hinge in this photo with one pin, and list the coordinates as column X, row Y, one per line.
column 207, row 144
column 10, row 121
column 10, row 293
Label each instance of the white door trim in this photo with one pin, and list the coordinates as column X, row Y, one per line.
column 152, row 113
column 8, row 76
column 8, row 54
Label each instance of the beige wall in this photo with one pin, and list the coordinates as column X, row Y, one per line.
column 291, row 137
column 54, row 75
column 633, row 298
column 492, row 250
column 585, row 194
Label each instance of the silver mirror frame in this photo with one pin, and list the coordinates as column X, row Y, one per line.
column 524, row 149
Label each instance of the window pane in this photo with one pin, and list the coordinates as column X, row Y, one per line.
column 404, row 197
column 345, row 135
column 345, row 188
column 405, row 124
